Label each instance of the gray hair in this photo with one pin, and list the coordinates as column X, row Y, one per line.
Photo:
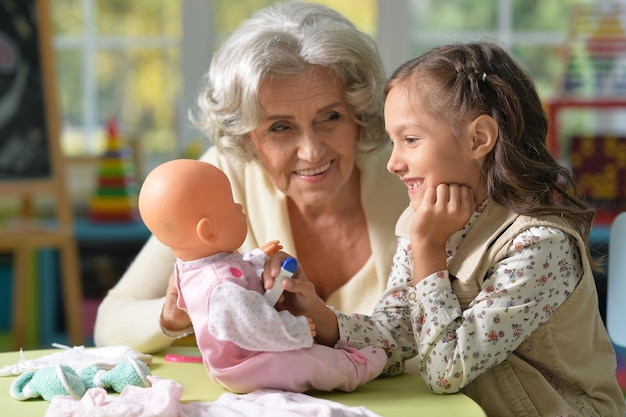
column 281, row 41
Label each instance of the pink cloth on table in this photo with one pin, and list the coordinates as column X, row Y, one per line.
column 163, row 400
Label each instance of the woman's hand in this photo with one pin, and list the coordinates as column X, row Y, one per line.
column 443, row 211
column 172, row 318
column 300, row 299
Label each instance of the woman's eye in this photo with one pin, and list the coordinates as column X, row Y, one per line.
column 328, row 118
column 278, row 127
column 334, row 116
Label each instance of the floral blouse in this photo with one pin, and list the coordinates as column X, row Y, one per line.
column 539, row 272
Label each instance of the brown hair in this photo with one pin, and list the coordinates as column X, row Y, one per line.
column 464, row 81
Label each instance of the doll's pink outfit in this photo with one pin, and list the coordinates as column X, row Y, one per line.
column 246, row 344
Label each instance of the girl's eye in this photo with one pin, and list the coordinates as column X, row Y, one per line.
column 411, row 140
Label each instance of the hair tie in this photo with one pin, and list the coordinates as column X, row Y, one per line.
column 484, row 76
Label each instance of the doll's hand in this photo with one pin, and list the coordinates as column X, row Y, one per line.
column 271, row 247
column 312, row 326
column 173, row 318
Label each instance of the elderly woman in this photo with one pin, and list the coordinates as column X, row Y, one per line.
column 293, row 103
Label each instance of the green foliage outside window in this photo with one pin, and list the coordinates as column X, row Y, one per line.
column 135, row 53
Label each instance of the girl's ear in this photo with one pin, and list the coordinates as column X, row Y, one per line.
column 484, row 134
column 204, row 230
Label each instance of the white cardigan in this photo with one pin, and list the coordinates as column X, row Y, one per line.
column 129, row 314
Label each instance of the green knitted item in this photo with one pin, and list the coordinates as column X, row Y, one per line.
column 127, row 372
column 51, row 381
column 47, row 383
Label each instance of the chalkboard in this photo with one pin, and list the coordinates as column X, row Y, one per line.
column 25, row 133
column 31, row 162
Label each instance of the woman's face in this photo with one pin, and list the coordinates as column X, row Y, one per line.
column 307, row 142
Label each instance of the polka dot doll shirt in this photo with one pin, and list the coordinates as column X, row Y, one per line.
column 238, row 316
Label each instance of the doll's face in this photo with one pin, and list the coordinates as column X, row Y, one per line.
column 188, row 205
column 229, row 224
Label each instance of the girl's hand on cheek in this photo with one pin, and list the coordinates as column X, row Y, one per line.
column 443, row 211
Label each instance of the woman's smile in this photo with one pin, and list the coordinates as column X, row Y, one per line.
column 314, row 173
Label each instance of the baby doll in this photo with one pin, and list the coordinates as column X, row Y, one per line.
column 246, row 344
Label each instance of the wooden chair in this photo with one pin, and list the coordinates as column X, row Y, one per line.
column 21, row 240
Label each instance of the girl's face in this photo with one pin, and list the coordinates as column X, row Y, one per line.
column 425, row 151
column 308, row 140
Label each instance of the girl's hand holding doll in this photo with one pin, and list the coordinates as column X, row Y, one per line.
column 300, row 298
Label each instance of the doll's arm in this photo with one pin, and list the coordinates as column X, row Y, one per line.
column 311, row 326
column 258, row 256
column 271, row 247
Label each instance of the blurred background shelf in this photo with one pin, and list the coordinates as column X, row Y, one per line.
column 105, row 251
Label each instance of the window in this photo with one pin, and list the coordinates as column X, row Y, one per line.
column 534, row 31
column 140, row 61
column 117, row 59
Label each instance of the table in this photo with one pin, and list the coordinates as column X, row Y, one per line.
column 390, row 397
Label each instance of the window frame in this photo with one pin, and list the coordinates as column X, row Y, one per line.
column 199, row 38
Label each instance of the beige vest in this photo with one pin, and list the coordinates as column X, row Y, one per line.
column 567, row 366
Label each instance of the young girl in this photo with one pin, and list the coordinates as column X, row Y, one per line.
column 492, row 286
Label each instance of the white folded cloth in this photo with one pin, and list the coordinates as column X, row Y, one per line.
column 77, row 357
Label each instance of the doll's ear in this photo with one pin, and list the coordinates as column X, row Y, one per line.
column 204, row 230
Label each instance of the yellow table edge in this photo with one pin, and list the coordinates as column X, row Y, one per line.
column 389, row 397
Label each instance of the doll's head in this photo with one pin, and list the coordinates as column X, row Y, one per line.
column 188, row 205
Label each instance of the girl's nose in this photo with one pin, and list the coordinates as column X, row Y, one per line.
column 394, row 165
